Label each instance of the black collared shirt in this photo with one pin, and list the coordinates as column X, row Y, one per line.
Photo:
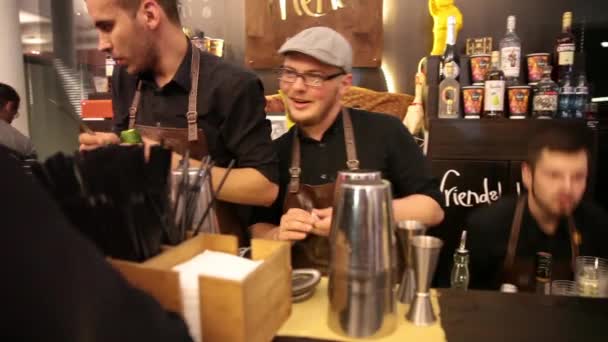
column 230, row 109
column 489, row 229
column 383, row 143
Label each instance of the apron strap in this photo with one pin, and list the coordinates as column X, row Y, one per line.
column 575, row 240
column 134, row 105
column 515, row 229
column 352, row 162
column 192, row 114
column 575, row 237
column 294, row 169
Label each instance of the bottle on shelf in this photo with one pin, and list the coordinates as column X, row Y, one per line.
column 450, row 55
column 545, row 98
column 581, row 96
column 566, row 98
column 494, row 93
column 459, row 278
column 510, row 53
column 449, row 94
column 565, row 47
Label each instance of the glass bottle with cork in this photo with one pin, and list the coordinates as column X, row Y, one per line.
column 494, row 94
column 450, row 54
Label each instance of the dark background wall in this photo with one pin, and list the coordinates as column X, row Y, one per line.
column 408, row 31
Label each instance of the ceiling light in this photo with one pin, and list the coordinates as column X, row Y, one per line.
column 29, row 18
column 605, row 44
column 33, row 40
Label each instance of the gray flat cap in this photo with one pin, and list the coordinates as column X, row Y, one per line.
column 324, row 44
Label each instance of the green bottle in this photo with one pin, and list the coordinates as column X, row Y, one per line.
column 460, row 271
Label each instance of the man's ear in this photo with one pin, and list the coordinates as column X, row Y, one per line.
column 527, row 174
column 346, row 83
column 150, row 13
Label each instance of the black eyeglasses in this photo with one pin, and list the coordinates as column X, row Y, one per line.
column 312, row 79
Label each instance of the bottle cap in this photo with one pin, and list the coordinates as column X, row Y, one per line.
column 463, row 242
column 511, row 22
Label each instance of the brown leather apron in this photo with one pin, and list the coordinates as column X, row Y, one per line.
column 520, row 271
column 191, row 138
column 313, row 252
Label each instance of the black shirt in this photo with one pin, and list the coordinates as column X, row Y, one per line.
column 59, row 283
column 489, row 229
column 383, row 143
column 230, row 109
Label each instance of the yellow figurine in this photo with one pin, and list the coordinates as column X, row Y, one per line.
column 440, row 11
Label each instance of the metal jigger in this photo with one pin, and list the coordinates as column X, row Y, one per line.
column 426, row 255
column 406, row 231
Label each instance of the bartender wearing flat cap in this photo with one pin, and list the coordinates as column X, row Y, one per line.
column 171, row 91
column 327, row 138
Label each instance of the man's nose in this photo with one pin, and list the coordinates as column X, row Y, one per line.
column 104, row 44
column 299, row 84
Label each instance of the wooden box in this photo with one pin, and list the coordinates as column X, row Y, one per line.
column 251, row 310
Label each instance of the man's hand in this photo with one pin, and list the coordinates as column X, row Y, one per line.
column 90, row 141
column 295, row 225
column 322, row 224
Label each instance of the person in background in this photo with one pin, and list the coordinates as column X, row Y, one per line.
column 9, row 135
column 57, row 286
column 551, row 217
column 327, row 138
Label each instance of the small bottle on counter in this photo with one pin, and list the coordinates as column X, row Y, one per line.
column 460, row 271
column 543, row 267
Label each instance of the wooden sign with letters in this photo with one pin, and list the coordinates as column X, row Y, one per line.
column 270, row 22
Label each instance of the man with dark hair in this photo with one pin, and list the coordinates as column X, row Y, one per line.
column 9, row 135
column 168, row 6
column 169, row 90
column 551, row 217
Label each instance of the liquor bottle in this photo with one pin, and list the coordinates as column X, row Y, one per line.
column 459, row 278
column 565, row 46
column 544, row 103
column 449, row 94
column 510, row 53
column 543, row 267
column 581, row 95
column 450, row 56
column 494, row 94
column 566, row 99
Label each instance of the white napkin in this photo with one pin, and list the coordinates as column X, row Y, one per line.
column 212, row 264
